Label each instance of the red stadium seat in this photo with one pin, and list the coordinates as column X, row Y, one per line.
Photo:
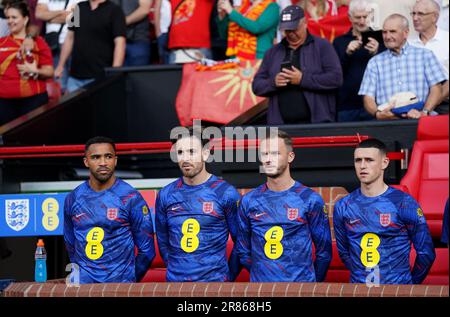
column 428, row 171
column 244, row 276
column 337, row 272
column 439, row 272
column 157, row 272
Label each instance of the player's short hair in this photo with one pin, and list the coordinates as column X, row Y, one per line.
column 98, row 140
column 192, row 131
column 373, row 143
column 284, row 136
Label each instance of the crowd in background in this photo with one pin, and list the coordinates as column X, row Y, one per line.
column 116, row 33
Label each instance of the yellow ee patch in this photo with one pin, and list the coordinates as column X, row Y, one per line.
column 273, row 248
column 94, row 248
column 50, row 208
column 190, row 229
column 325, row 209
column 420, row 212
column 145, row 210
column 370, row 257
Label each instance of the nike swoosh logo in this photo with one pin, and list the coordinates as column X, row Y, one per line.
column 176, row 208
column 259, row 214
column 354, row 221
column 80, row 215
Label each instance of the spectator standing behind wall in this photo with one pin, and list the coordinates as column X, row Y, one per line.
column 354, row 56
column 96, row 43
column 250, row 29
column 136, row 12
column 22, row 73
column 163, row 18
column 189, row 35
column 55, row 13
column 299, row 75
column 401, row 68
column 425, row 14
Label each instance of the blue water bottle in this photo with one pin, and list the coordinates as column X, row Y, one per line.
column 40, row 257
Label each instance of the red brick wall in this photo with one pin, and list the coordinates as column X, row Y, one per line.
column 51, row 289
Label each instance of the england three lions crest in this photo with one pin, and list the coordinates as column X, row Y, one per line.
column 208, row 207
column 17, row 213
column 292, row 213
column 111, row 213
column 385, row 220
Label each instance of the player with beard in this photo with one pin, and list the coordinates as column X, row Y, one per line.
column 105, row 219
column 194, row 217
column 375, row 225
column 280, row 220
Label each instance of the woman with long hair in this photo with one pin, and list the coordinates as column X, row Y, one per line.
column 22, row 72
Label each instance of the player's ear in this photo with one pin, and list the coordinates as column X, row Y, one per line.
column 291, row 157
column 205, row 153
column 385, row 161
column 85, row 162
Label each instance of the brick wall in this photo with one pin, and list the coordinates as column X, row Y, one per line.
column 58, row 289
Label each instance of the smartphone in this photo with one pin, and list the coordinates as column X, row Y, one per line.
column 285, row 64
column 377, row 35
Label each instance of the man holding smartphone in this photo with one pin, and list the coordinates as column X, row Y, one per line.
column 299, row 75
column 355, row 49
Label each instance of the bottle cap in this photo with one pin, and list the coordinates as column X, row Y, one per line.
column 40, row 243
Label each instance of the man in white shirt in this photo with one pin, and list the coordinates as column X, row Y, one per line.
column 55, row 13
column 425, row 14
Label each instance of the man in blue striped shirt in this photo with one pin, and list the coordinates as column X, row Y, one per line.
column 401, row 68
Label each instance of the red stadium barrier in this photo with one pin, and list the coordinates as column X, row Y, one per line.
column 47, row 151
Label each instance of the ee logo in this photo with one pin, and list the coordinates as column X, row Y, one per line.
column 369, row 254
column 189, row 241
column 94, row 247
column 273, row 248
column 50, row 220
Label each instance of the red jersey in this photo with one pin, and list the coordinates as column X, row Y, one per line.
column 190, row 24
column 11, row 84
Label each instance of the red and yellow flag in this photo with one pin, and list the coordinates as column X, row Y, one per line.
column 216, row 96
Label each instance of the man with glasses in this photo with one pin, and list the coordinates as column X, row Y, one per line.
column 425, row 15
column 105, row 219
column 401, row 68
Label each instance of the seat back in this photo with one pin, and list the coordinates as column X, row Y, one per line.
column 439, row 272
column 428, row 171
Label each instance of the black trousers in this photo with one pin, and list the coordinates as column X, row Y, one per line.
column 10, row 109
